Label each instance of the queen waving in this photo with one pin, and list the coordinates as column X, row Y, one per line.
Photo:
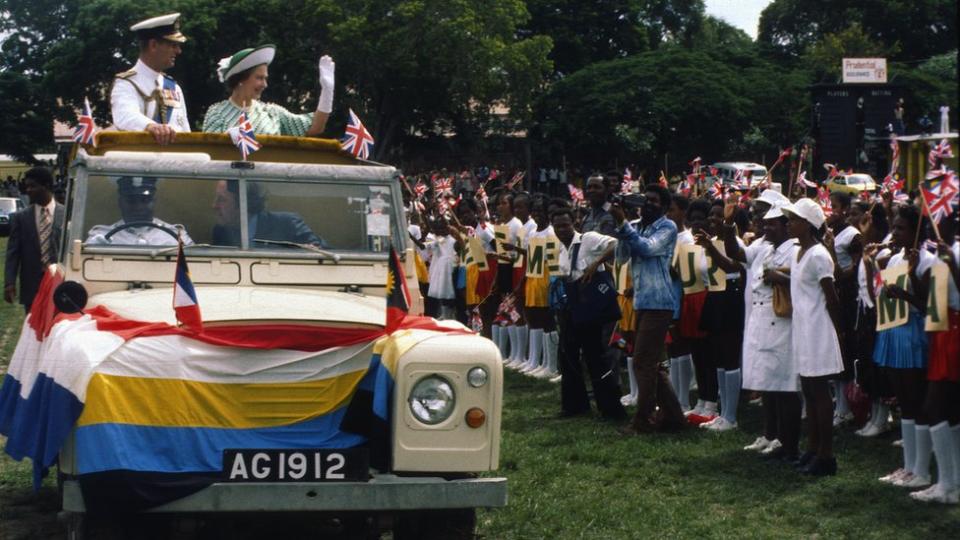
column 245, row 74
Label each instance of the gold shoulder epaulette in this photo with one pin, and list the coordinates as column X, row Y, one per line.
column 126, row 74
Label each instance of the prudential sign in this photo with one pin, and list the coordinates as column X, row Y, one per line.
column 864, row 70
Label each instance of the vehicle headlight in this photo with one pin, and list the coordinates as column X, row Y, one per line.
column 477, row 377
column 432, row 400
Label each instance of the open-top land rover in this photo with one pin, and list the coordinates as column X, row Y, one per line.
column 292, row 397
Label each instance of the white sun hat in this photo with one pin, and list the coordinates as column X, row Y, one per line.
column 806, row 209
column 245, row 59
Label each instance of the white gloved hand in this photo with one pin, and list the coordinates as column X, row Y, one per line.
column 327, row 68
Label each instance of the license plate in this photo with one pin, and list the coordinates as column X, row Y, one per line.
column 296, row 465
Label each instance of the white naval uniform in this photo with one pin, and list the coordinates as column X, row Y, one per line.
column 767, row 357
column 132, row 100
column 137, row 236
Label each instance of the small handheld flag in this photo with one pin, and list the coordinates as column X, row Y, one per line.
column 243, row 136
column 83, row 133
column 398, row 296
column 576, row 194
column 357, row 140
column 184, row 296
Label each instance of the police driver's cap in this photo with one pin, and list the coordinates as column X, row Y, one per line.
column 163, row 27
column 137, row 186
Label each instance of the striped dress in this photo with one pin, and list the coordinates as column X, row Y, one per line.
column 266, row 118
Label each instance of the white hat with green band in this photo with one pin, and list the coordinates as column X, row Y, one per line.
column 243, row 60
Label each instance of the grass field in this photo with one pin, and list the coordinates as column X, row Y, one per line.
column 577, row 478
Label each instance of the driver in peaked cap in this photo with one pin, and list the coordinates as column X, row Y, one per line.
column 144, row 98
column 136, row 197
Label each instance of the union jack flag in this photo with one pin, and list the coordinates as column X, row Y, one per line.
column 802, row 179
column 243, row 137
column 716, row 191
column 663, row 180
column 687, row 185
column 940, row 195
column 420, row 189
column 941, row 150
column 823, row 199
column 832, row 170
column 517, row 178
column 441, row 185
column 575, row 193
column 626, row 186
column 83, row 133
column 357, row 140
column 878, row 283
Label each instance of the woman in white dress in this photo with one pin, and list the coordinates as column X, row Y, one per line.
column 816, row 327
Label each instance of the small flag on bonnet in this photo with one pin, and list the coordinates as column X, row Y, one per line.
column 184, row 296
column 398, row 296
column 83, row 133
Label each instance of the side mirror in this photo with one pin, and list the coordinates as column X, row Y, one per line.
column 70, row 297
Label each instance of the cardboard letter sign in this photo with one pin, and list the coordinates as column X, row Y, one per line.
column 937, row 320
column 891, row 312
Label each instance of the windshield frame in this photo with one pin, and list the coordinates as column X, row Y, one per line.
column 381, row 176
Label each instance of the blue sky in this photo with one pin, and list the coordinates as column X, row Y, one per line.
column 744, row 14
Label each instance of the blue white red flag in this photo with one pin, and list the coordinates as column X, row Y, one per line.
column 243, row 136
column 83, row 133
column 184, row 296
column 357, row 140
column 940, row 195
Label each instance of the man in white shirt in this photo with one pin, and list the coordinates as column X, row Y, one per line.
column 581, row 263
column 144, row 98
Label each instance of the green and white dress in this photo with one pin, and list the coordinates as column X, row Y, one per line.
column 266, row 118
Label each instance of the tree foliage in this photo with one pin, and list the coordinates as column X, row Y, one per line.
column 402, row 65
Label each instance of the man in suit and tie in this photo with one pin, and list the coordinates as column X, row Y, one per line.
column 35, row 234
column 262, row 224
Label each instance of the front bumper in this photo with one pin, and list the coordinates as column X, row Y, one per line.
column 383, row 493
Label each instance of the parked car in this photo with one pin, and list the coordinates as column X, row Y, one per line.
column 852, row 183
column 8, row 205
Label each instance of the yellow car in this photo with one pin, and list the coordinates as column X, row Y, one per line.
column 852, row 183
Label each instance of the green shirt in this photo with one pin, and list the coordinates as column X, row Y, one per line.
column 266, row 118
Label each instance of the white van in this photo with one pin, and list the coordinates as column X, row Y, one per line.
column 728, row 172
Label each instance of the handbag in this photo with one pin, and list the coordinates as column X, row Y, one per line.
column 593, row 302
column 782, row 305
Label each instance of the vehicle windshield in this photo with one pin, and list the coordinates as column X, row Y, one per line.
column 8, row 206
column 153, row 211
column 856, row 180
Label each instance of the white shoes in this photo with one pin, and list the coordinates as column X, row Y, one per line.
column 872, row 430
column 894, row 476
column 628, row 400
column 772, row 447
column 719, row 424
column 937, row 493
column 758, row 445
column 840, row 419
column 911, row 480
column 556, row 379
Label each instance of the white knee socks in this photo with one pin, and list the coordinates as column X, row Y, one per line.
column 909, row 433
column 731, row 395
column 533, row 357
column 551, row 340
column 523, row 336
column 946, row 452
column 955, row 432
column 842, row 407
column 680, row 370
column 632, row 377
column 921, row 462
column 514, row 337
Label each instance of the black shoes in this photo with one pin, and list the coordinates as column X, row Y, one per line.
column 804, row 460
column 821, row 467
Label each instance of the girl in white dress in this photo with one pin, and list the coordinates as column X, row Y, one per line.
column 816, row 325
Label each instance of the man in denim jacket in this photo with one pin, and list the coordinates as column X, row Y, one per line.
column 651, row 244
